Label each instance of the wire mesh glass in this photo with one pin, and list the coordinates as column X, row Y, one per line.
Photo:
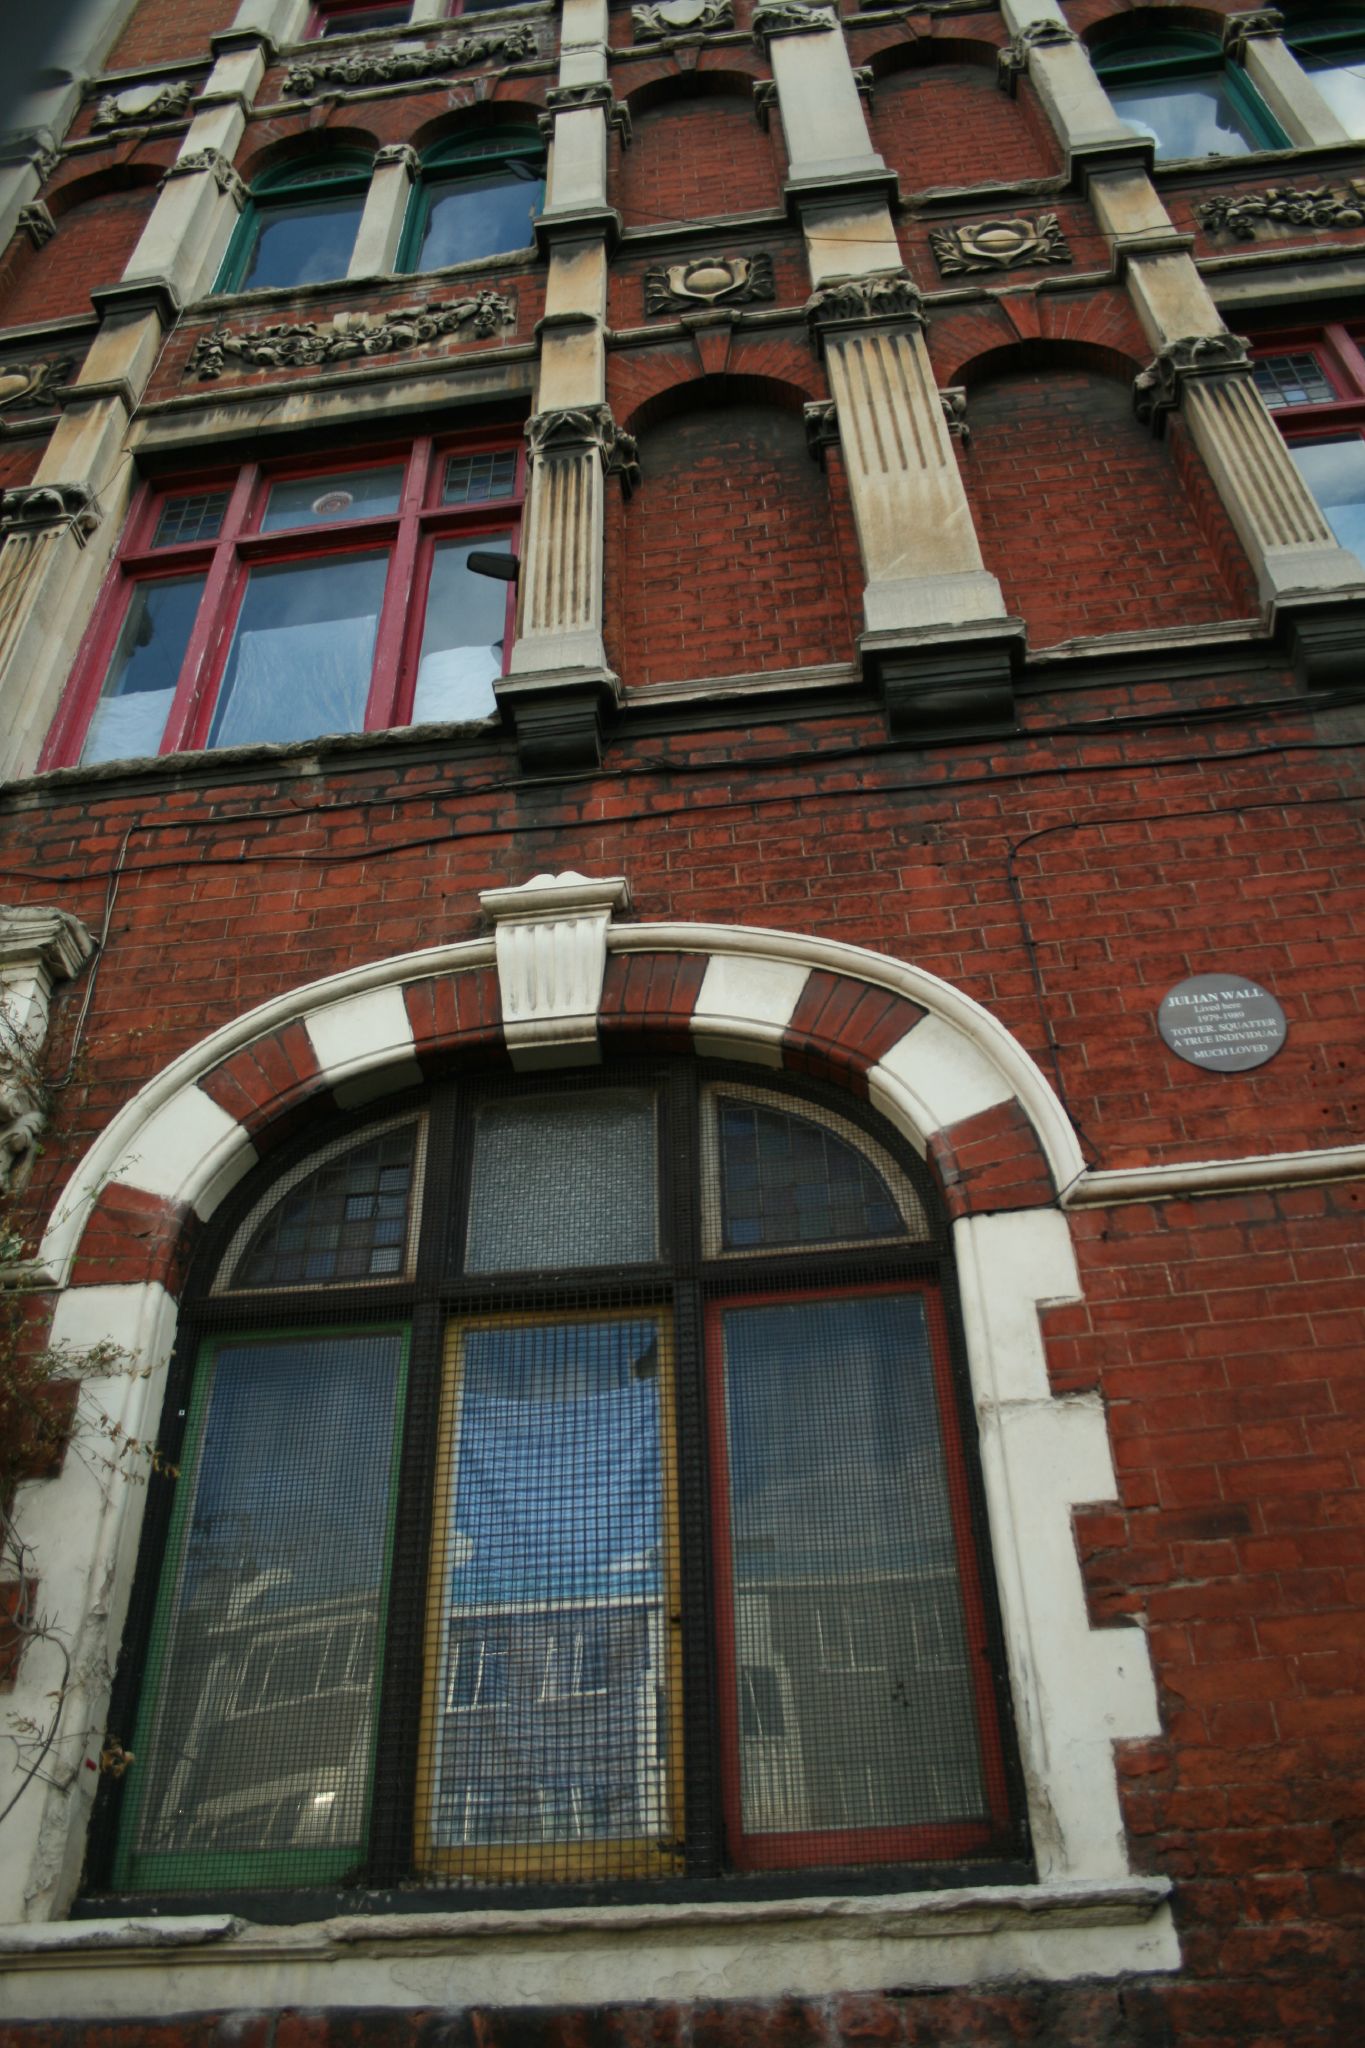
column 254, row 1748
column 787, row 1180
column 564, row 1181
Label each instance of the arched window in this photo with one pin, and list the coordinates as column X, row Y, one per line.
column 567, row 1482
column 1178, row 89
column 476, row 197
column 299, row 226
column 1331, row 49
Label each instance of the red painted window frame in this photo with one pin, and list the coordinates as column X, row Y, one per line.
column 930, row 1841
column 1341, row 357
column 409, row 536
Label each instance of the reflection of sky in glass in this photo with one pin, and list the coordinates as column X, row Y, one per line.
column 480, row 216
column 302, row 653
column 291, row 1490
column 463, row 635
column 303, row 244
column 131, row 715
column 1334, row 472
column 1187, row 117
column 835, row 1465
column 557, row 1470
column 1340, row 78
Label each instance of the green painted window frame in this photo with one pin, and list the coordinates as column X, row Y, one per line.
column 443, row 165
column 332, row 177
column 1183, row 53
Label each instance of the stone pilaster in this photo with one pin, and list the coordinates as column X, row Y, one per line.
column 829, row 150
column 1047, row 48
column 1255, row 41
column 386, row 204
column 937, row 636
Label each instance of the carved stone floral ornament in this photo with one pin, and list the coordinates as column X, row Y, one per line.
column 668, row 18
column 886, row 295
column 709, row 281
column 401, row 62
column 38, row 947
column 33, row 508
column 1157, row 389
column 792, row 18
column 33, row 383
column 1304, row 206
column 294, row 345
column 999, row 245
column 139, row 106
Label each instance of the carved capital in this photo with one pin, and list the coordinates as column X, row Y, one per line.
column 1241, row 29
column 38, row 946
column 709, row 281
column 141, row 106
column 821, row 419
column 1012, row 244
column 791, row 18
column 1157, row 390
column 37, row 223
column 953, row 399
column 304, row 344
column 765, row 101
column 575, row 431
column 672, row 18
column 550, row 937
column 1303, row 206
column 888, row 296
column 33, row 383
column 211, row 162
column 865, row 82
column 568, row 99
column 29, row 508
column 398, row 156
column 1012, row 62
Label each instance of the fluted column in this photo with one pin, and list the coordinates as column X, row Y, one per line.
column 559, row 682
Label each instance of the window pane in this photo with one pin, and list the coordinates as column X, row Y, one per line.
column 480, row 216
column 131, row 715
column 255, row 1740
column 1187, row 117
column 470, row 479
column 302, row 652
column 854, row 1709
column 323, row 500
column 566, row 1180
column 1340, row 78
column 462, row 640
column 304, row 243
column 349, row 1219
column 349, row 21
column 1334, row 472
column 196, row 517
column 1294, row 378
column 552, row 1691
column 786, row 1180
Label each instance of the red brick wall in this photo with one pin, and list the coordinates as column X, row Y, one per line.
column 163, row 30
column 692, row 158
column 91, row 246
column 1084, row 519
column 950, row 124
column 726, row 559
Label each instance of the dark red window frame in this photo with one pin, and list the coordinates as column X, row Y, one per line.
column 408, row 536
column 1341, row 357
column 933, row 1841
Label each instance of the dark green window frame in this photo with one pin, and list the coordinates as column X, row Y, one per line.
column 470, row 157
column 1184, row 54
column 290, row 185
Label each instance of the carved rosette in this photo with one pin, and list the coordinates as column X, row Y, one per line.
column 1241, row 29
column 1311, row 206
column 35, row 383
column 550, row 937
column 1012, row 62
column 141, row 106
column 1012, row 244
column 575, row 431
column 710, row 281
column 304, row 344
column 671, row 20
column 32, row 508
column 402, row 62
column 1157, row 390
column 791, row 18
column 887, row 297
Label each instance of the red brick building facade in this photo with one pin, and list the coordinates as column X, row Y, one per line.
column 911, row 465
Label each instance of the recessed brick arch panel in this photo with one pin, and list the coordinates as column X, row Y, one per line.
column 697, row 154
column 948, row 123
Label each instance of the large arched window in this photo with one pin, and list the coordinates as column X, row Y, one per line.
column 299, row 226
column 568, row 1482
column 1177, row 88
column 478, row 196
